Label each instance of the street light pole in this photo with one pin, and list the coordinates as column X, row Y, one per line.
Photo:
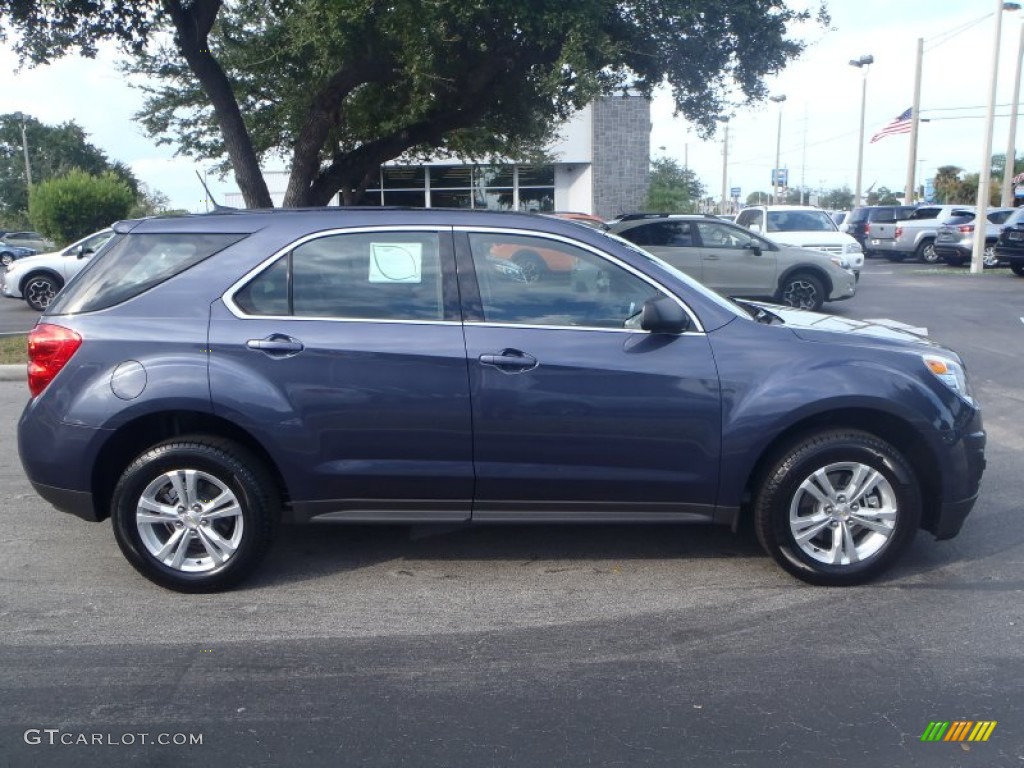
column 725, row 164
column 24, row 147
column 984, row 183
column 1011, row 142
column 778, row 149
column 862, row 64
column 915, row 120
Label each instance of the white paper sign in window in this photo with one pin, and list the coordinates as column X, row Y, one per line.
column 396, row 262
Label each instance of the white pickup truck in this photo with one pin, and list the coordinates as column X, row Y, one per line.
column 913, row 237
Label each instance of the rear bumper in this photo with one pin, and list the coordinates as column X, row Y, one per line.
column 77, row 503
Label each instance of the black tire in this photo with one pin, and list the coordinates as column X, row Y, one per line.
column 803, row 291
column 221, row 466
column 926, row 252
column 533, row 266
column 955, row 261
column 781, row 498
column 39, row 291
column 1018, row 269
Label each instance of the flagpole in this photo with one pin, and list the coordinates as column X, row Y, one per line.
column 915, row 116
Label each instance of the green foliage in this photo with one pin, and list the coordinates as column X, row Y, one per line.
column 758, row 198
column 71, row 207
column 337, row 87
column 838, row 199
column 882, row 196
column 54, row 150
column 672, row 189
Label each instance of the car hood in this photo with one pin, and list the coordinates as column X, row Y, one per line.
column 817, row 326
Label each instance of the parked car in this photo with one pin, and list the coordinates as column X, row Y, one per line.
column 804, row 227
column 839, row 217
column 1010, row 245
column 37, row 279
column 11, row 253
column 33, row 241
column 861, row 218
column 583, row 218
column 735, row 262
column 209, row 376
column 914, row 236
column 954, row 242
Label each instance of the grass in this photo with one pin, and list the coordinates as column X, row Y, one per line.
column 13, row 349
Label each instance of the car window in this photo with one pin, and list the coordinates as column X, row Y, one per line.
column 595, row 294
column 364, row 276
column 746, row 218
column 713, row 235
column 94, row 243
column 1016, row 217
column 134, row 264
column 959, row 217
column 677, row 234
column 800, row 221
column 924, row 213
column 999, row 217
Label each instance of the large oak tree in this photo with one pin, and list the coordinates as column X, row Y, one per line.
column 337, row 87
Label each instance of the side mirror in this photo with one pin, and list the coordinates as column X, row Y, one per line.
column 83, row 251
column 754, row 247
column 663, row 315
column 755, row 228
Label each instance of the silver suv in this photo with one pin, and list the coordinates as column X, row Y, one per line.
column 735, row 262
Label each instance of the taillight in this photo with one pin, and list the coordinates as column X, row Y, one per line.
column 965, row 228
column 898, row 233
column 867, row 228
column 49, row 349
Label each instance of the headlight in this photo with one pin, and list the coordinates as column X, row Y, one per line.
column 949, row 372
column 853, row 247
column 840, row 262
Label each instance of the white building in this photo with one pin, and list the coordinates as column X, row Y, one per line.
column 601, row 165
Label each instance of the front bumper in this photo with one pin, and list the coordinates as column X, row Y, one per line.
column 962, row 467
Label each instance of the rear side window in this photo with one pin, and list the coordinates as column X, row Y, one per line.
column 378, row 276
column 999, row 217
column 134, row 264
column 924, row 213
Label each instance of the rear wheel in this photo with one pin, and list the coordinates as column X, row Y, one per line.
column 803, row 291
column 926, row 252
column 838, row 508
column 988, row 257
column 39, row 291
column 194, row 514
column 1018, row 269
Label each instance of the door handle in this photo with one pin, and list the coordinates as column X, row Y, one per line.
column 510, row 361
column 276, row 345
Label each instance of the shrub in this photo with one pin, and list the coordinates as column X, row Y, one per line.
column 72, row 206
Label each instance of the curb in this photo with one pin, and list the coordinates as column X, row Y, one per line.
column 12, row 373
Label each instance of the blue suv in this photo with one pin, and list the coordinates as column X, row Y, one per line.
column 210, row 376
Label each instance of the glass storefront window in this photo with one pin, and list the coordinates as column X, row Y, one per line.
column 404, row 178
column 536, row 176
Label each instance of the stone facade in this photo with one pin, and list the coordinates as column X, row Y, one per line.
column 622, row 152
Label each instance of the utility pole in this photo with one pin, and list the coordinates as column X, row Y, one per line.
column 725, row 165
column 984, row 183
column 915, row 119
column 778, row 148
column 862, row 64
column 24, row 147
column 1011, row 142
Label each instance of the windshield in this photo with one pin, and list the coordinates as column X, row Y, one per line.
column 664, row 267
column 800, row 221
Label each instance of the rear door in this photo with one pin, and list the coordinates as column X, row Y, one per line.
column 345, row 355
column 578, row 414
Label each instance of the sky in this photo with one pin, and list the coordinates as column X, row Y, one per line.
column 820, row 116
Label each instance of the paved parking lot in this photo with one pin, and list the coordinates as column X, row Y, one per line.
column 536, row 646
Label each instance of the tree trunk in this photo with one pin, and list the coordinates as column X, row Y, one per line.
column 192, row 27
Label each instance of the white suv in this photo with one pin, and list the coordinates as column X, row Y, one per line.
column 37, row 279
column 804, row 226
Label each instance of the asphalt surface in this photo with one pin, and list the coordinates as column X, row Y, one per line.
column 536, row 646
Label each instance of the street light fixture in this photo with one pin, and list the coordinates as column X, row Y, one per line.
column 778, row 147
column 862, row 64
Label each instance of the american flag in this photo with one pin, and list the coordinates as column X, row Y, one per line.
column 900, row 125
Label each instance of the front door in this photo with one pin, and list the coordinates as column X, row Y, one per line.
column 736, row 262
column 578, row 414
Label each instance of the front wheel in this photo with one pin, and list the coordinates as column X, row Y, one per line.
column 194, row 514
column 802, row 291
column 988, row 257
column 838, row 508
column 1018, row 269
